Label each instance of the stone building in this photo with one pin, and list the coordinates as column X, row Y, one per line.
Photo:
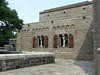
column 66, row 31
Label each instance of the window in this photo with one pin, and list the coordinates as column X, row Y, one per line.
column 19, row 31
column 55, row 45
column 34, row 42
column 52, row 21
column 60, row 40
column 28, row 25
column 83, row 8
column 64, row 12
column 45, row 41
column 63, row 40
column 84, row 17
column 71, row 41
column 47, row 27
column 66, row 40
column 38, row 41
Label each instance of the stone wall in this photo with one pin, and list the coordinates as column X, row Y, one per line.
column 16, row 61
column 79, row 25
column 74, row 10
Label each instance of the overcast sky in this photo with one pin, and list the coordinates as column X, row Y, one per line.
column 28, row 10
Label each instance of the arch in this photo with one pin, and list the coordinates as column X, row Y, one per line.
column 47, row 27
column 36, row 28
column 62, row 26
column 72, row 25
column 66, row 40
column 55, row 45
column 54, row 27
column 43, row 28
column 46, row 41
column 58, row 26
column 60, row 40
column 67, row 25
column 39, row 28
column 71, row 41
column 34, row 42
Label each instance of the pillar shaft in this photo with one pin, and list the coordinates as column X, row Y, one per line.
column 41, row 42
column 63, row 41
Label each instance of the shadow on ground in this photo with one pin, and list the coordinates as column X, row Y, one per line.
column 87, row 66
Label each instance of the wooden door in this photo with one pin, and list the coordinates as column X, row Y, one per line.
column 55, row 41
column 71, row 41
column 34, row 42
column 46, row 41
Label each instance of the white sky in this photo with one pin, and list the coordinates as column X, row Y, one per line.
column 28, row 10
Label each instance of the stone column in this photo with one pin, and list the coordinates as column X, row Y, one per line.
column 41, row 42
column 96, row 26
column 63, row 41
column 37, row 42
column 59, row 41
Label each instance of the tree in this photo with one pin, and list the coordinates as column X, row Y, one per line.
column 9, row 22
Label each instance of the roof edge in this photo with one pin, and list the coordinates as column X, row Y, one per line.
column 67, row 7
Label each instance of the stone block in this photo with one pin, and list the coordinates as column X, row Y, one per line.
column 11, row 56
column 2, row 57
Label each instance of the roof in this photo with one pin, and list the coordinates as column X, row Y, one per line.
column 67, row 7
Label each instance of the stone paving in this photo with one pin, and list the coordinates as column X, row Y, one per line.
column 60, row 67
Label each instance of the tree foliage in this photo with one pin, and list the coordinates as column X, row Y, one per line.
column 9, row 22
